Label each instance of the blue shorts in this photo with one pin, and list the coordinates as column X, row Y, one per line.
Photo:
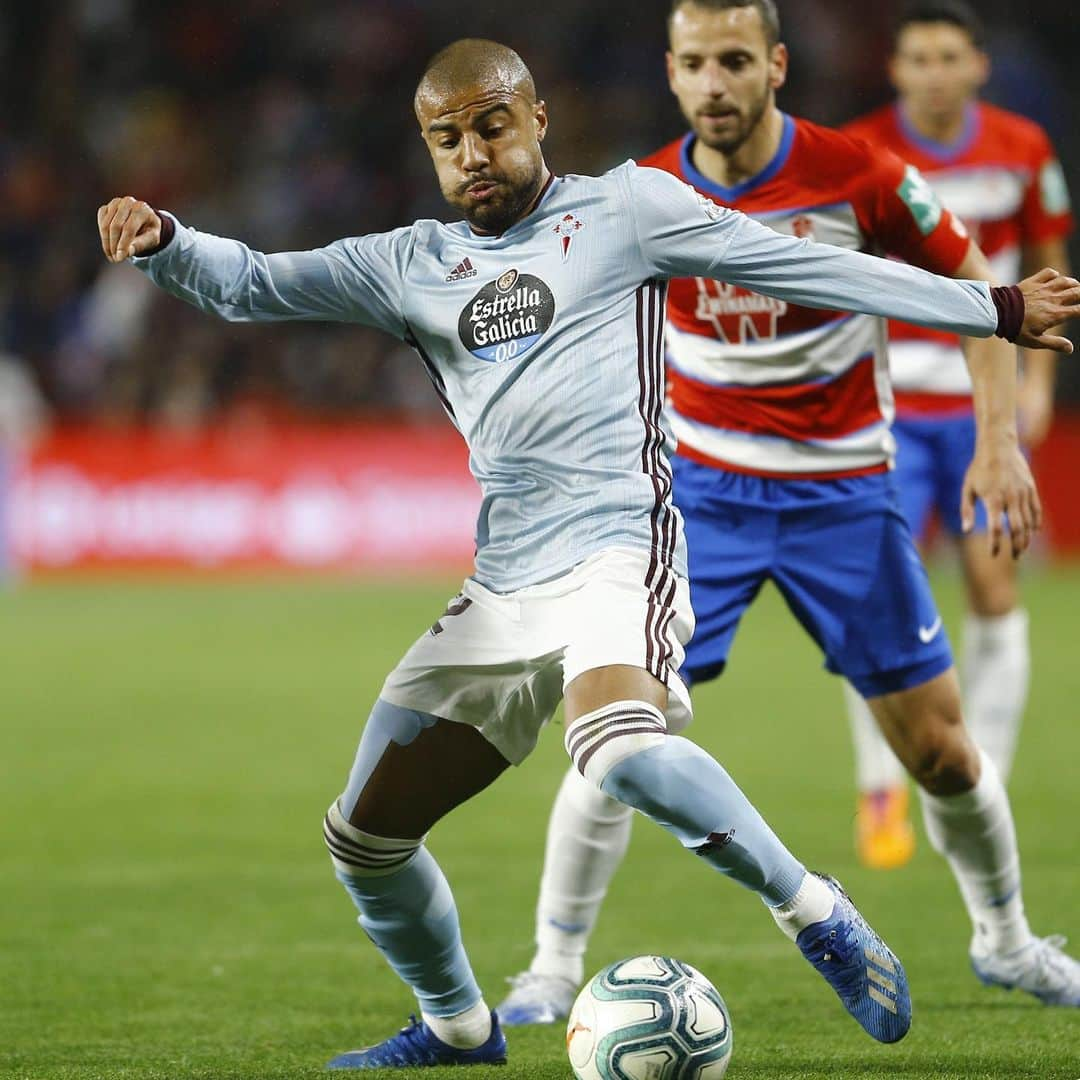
column 932, row 456
column 842, row 556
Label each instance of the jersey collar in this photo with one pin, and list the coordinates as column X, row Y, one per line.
column 731, row 194
column 938, row 150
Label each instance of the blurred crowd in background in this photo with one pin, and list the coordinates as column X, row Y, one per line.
column 289, row 125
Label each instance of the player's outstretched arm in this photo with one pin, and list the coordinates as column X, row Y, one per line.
column 357, row 280
column 684, row 235
column 819, row 275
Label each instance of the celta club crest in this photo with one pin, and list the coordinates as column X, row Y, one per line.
column 803, row 227
column 565, row 231
column 738, row 315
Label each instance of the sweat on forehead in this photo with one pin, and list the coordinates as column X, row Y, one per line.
column 472, row 67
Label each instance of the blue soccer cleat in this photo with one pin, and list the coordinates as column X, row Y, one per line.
column 860, row 967
column 417, row 1046
column 536, row 999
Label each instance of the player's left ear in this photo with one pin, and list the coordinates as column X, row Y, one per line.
column 982, row 60
column 778, row 66
column 540, row 118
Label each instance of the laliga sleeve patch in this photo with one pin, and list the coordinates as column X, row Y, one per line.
column 1053, row 190
column 920, row 199
column 507, row 317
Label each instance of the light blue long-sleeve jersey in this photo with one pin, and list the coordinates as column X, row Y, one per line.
column 545, row 344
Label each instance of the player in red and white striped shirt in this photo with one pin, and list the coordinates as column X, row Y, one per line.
column 1000, row 174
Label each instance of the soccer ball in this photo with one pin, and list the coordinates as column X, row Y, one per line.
column 649, row 1018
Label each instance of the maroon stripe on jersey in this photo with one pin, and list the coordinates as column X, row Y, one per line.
column 663, row 467
column 796, row 411
column 650, row 299
column 645, row 401
column 432, row 373
column 643, row 397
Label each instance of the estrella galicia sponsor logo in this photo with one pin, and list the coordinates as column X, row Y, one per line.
column 507, row 317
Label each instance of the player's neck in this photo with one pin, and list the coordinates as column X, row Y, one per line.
column 944, row 128
column 748, row 160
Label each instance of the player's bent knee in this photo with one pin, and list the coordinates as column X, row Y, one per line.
column 357, row 854
column 946, row 765
column 599, row 740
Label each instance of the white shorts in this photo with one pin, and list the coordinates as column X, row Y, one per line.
column 501, row 662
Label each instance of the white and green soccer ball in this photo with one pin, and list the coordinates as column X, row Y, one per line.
column 649, row 1018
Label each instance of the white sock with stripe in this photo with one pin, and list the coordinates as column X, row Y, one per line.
column 588, row 834
column 975, row 833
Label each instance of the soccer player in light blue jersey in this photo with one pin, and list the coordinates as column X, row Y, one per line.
column 539, row 319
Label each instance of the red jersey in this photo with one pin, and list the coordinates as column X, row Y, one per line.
column 1003, row 179
column 762, row 386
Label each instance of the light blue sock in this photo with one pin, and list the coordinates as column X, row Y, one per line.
column 686, row 791
column 411, row 916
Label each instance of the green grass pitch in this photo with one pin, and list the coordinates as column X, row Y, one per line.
column 167, row 909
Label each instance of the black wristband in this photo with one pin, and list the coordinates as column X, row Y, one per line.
column 1009, row 301
column 168, row 231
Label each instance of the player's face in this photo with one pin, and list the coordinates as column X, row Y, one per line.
column 937, row 69
column 723, row 72
column 485, row 145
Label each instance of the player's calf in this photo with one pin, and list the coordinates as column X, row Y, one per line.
column 927, row 730
column 683, row 789
column 406, row 908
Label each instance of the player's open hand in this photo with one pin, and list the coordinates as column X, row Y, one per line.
column 1001, row 478
column 1050, row 298
column 128, row 227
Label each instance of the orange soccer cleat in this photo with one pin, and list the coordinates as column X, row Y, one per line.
column 884, row 835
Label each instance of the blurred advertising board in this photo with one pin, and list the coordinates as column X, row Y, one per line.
column 368, row 499
column 378, row 498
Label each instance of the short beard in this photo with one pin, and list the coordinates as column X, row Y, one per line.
column 747, row 128
column 500, row 214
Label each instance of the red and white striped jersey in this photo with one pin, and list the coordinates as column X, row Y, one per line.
column 761, row 386
column 1003, row 180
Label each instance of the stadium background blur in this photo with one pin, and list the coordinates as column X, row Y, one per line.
column 168, row 744
column 289, row 125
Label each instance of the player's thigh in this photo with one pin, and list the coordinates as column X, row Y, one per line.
column 852, row 576
column 625, row 625
column 412, row 769
column 915, row 473
column 486, row 663
column 991, row 580
column 598, row 687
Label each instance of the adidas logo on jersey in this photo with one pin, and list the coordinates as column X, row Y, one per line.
column 463, row 270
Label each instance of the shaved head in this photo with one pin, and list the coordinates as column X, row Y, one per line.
column 483, row 125
column 473, row 63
